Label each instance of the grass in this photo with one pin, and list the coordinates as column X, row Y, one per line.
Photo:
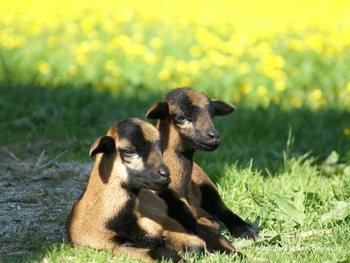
column 264, row 169
column 66, row 76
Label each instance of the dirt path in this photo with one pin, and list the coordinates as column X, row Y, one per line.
column 35, row 199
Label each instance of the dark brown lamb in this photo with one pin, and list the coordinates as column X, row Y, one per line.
column 185, row 120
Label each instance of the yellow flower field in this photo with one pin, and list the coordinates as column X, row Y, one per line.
column 260, row 52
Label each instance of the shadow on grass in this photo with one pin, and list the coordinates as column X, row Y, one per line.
column 75, row 116
column 78, row 116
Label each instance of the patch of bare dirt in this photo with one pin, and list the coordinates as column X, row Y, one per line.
column 36, row 196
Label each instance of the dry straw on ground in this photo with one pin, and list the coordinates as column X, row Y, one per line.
column 36, row 196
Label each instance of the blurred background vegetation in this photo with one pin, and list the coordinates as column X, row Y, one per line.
column 70, row 69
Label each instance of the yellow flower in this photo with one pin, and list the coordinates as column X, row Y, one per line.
column 333, row 183
column 276, row 99
column 34, row 30
column 137, row 27
column 316, row 94
column 43, row 67
column 127, row 15
column 87, row 24
column 73, row 70
column 8, row 19
column 297, row 45
column 116, row 72
column 52, row 42
column 216, row 58
column 109, row 48
column 95, row 44
column 137, row 38
column 82, row 60
column 195, row 51
column 156, row 42
column 109, row 64
column 169, row 62
column 194, row 66
column 230, row 62
column 205, row 63
column 261, row 90
column 122, row 40
column 181, row 66
column 347, row 87
column 279, row 62
column 185, row 82
column 346, row 132
column 21, row 42
column 108, row 25
column 237, row 98
column 164, row 75
column 296, row 102
column 265, row 101
column 107, row 81
column 245, row 88
column 244, row 68
column 72, row 29
column 280, row 85
column 149, row 58
column 83, row 48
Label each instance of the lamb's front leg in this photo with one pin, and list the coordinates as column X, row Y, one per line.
column 213, row 204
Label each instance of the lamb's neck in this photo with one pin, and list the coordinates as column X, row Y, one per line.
column 108, row 199
column 180, row 165
column 178, row 159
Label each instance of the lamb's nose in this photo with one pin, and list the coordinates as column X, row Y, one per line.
column 214, row 135
column 164, row 171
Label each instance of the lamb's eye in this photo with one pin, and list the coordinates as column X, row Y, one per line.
column 128, row 153
column 179, row 118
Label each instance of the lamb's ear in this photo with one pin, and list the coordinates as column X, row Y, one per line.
column 104, row 144
column 159, row 110
column 222, row 108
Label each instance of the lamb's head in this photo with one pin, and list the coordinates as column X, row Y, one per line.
column 190, row 113
column 132, row 154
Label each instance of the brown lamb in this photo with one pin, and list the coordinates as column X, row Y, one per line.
column 114, row 213
column 185, row 120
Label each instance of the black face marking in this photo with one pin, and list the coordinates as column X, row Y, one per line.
column 125, row 225
column 133, row 132
column 182, row 100
column 148, row 180
column 153, row 174
column 210, row 109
